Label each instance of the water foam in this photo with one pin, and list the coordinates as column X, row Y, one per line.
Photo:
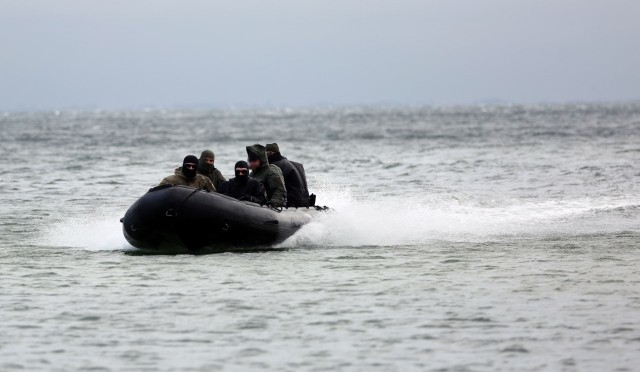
column 97, row 231
column 395, row 220
column 411, row 221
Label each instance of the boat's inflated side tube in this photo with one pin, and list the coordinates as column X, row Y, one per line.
column 182, row 217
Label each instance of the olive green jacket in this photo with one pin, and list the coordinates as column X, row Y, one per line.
column 178, row 179
column 215, row 176
column 270, row 176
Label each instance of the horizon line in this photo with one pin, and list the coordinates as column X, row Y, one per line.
column 283, row 107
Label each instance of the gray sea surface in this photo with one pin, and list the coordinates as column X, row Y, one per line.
column 461, row 238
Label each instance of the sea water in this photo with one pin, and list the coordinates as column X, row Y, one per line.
column 460, row 238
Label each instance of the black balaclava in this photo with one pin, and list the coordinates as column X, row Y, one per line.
column 242, row 178
column 190, row 173
column 203, row 167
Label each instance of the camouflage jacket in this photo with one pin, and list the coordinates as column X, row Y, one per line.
column 215, row 176
column 199, row 182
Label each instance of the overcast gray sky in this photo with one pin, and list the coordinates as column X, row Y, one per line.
column 182, row 53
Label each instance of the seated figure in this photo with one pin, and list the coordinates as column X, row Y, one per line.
column 242, row 187
column 268, row 174
column 187, row 176
column 206, row 167
column 295, row 179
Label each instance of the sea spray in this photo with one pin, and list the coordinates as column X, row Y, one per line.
column 99, row 230
column 391, row 221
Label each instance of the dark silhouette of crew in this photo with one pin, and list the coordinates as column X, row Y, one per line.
column 295, row 179
column 242, row 187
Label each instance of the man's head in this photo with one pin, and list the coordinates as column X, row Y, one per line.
column 242, row 171
column 273, row 152
column 190, row 166
column 205, row 163
column 272, row 149
column 256, row 157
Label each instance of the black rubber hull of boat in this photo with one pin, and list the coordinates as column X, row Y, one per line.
column 182, row 218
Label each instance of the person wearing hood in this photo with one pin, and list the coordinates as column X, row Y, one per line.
column 242, row 187
column 294, row 181
column 269, row 175
column 187, row 175
column 207, row 168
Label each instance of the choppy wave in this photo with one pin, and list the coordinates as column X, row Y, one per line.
column 400, row 176
column 549, row 192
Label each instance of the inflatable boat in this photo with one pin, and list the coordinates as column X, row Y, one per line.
column 171, row 218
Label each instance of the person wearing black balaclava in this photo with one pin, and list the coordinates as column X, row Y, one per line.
column 206, row 167
column 242, row 187
column 187, row 175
